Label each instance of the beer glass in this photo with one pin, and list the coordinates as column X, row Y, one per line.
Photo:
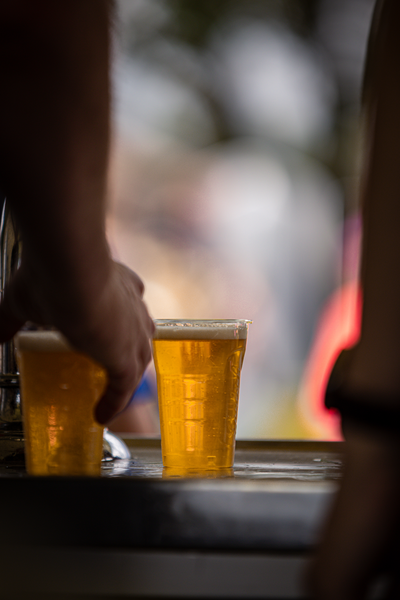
column 198, row 365
column 59, row 389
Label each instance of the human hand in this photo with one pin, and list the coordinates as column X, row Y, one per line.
column 112, row 326
column 359, row 543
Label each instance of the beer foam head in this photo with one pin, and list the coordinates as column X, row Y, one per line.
column 41, row 341
column 200, row 330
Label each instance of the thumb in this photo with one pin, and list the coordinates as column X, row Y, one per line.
column 115, row 398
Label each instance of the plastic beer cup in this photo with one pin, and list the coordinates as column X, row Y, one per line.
column 198, row 365
column 59, row 390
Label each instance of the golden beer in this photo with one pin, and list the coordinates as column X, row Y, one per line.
column 59, row 390
column 198, row 366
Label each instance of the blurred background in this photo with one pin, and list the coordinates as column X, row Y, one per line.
column 233, row 185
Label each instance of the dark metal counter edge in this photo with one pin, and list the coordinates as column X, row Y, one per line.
column 127, row 514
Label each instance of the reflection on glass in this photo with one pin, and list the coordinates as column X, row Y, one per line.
column 177, row 473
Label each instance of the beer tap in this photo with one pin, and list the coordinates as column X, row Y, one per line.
column 11, row 430
column 11, row 427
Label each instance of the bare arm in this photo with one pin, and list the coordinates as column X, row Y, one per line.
column 54, row 131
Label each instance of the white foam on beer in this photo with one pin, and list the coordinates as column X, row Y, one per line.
column 199, row 331
column 41, row 341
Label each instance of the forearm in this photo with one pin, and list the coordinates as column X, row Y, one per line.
column 54, row 133
column 55, row 138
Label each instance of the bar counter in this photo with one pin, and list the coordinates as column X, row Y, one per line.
column 141, row 531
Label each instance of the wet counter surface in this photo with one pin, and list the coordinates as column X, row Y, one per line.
column 274, row 499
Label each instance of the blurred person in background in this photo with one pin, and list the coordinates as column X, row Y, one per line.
column 54, row 153
column 360, row 541
column 338, row 327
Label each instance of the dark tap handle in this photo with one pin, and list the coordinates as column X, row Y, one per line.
column 10, row 257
